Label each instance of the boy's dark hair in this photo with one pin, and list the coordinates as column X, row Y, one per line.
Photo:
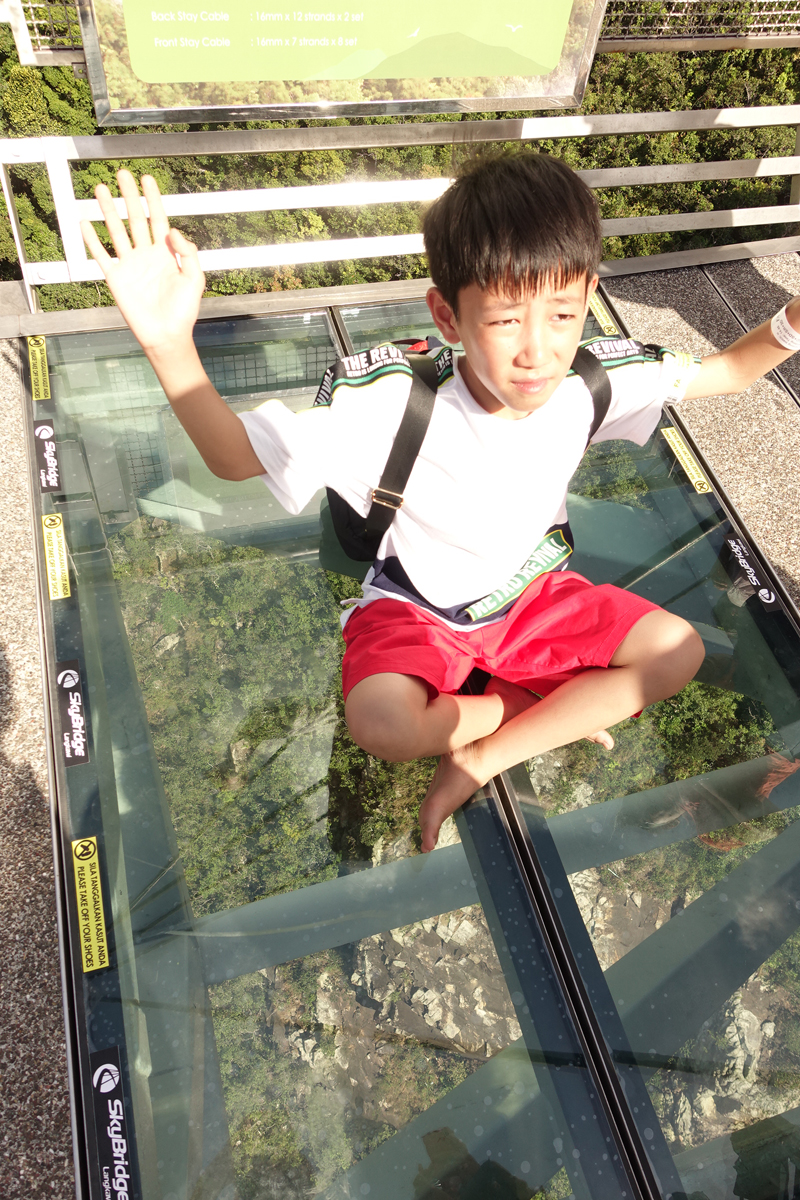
column 514, row 221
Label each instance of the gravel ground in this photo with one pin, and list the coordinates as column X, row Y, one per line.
column 35, row 1138
column 752, row 441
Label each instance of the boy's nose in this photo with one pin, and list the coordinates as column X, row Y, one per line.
column 533, row 349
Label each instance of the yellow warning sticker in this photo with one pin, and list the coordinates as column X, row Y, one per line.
column 602, row 315
column 687, row 460
column 40, row 374
column 89, row 895
column 55, row 556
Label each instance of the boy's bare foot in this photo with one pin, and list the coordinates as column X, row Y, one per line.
column 458, row 775
column 457, row 778
column 602, row 738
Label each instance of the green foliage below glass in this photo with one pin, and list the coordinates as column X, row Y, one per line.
column 699, row 730
column 238, row 654
column 608, row 472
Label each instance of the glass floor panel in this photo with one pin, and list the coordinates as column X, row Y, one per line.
column 681, row 846
column 296, row 1002
column 371, row 324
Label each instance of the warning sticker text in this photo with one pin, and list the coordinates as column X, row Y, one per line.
column 89, row 896
column 687, row 460
column 40, row 375
column 55, row 556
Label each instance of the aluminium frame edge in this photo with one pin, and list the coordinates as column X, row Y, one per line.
column 737, row 520
column 47, row 657
column 599, row 1063
column 729, row 508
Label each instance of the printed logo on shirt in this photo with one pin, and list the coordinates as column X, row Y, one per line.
column 615, row 352
column 680, row 369
column 358, row 370
column 552, row 551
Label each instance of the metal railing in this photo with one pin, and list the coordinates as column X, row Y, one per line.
column 699, row 24
column 57, row 153
column 47, row 32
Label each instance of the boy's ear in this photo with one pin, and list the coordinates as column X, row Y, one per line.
column 591, row 287
column 443, row 316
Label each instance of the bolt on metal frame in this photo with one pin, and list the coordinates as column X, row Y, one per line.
column 58, row 153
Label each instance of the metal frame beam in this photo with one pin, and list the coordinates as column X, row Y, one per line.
column 58, row 153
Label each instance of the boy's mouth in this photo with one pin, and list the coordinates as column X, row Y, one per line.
column 530, row 387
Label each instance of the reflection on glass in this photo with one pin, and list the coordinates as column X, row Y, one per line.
column 681, row 845
column 306, row 1004
column 377, row 323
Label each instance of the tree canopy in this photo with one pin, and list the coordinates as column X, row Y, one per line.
column 50, row 100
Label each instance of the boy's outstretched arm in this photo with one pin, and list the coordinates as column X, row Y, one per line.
column 744, row 361
column 157, row 283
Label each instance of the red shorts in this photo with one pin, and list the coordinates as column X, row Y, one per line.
column 561, row 625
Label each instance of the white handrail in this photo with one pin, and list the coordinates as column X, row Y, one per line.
column 422, row 133
column 58, row 153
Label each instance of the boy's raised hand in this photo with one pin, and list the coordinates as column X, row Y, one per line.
column 156, row 278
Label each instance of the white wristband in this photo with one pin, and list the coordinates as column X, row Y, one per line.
column 783, row 332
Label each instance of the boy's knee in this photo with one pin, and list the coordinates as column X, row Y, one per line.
column 666, row 646
column 680, row 649
column 382, row 715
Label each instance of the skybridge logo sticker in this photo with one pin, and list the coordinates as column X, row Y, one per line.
column 111, row 1126
column 74, row 739
column 47, row 457
column 742, row 558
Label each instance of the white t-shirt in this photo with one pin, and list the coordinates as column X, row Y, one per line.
column 484, row 491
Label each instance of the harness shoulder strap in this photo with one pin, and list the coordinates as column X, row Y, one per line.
column 387, row 497
column 595, row 376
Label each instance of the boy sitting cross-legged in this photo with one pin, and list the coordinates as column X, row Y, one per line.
column 513, row 246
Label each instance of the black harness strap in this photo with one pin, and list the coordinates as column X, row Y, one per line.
column 595, row 376
column 359, row 536
column 387, row 497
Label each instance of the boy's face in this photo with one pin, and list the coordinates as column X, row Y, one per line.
column 517, row 349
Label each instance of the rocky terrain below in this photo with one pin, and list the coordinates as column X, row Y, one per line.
column 739, row 1064
column 397, row 1020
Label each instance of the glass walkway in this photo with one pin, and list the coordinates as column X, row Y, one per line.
column 590, row 989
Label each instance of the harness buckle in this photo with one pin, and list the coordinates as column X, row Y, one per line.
column 387, row 499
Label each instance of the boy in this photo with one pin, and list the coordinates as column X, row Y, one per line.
column 513, row 247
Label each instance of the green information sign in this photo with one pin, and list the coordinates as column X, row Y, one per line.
column 239, row 40
column 150, row 60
